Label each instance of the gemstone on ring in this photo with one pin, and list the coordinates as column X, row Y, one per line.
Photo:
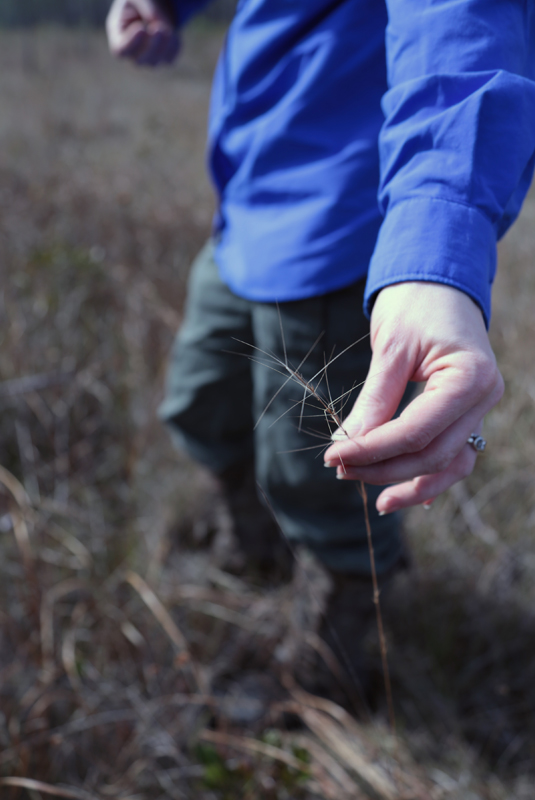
column 477, row 442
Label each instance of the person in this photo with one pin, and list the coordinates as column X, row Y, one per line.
column 318, row 109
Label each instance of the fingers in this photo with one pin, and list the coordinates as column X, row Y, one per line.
column 151, row 46
column 132, row 41
column 155, row 47
column 451, row 394
column 433, row 334
column 138, row 30
column 435, row 457
column 424, row 489
column 380, row 396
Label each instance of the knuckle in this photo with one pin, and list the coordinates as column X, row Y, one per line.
column 438, row 462
column 484, row 375
column 420, row 486
column 416, row 440
column 465, row 466
column 389, row 348
column 388, row 343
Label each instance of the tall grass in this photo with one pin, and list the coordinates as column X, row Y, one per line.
column 123, row 645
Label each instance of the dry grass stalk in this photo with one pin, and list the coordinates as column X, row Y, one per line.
column 33, row 383
column 47, row 619
column 253, row 746
column 373, row 779
column 341, row 733
column 157, row 608
column 342, row 785
column 15, row 487
column 382, row 768
column 18, row 514
column 169, row 626
column 22, row 536
column 46, row 788
column 332, row 410
column 377, row 602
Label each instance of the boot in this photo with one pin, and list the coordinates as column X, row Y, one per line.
column 330, row 657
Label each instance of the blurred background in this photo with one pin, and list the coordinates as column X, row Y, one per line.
column 21, row 13
column 133, row 664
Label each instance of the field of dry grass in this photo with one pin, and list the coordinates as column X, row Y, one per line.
column 121, row 637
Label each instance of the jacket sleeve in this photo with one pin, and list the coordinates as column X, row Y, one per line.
column 184, row 9
column 457, row 148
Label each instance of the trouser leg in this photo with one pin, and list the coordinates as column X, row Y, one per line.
column 208, row 407
column 215, row 394
column 208, row 400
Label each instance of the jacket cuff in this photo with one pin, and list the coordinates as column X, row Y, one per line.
column 184, row 9
column 437, row 241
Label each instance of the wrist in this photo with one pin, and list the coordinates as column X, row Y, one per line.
column 427, row 320
column 435, row 240
column 169, row 9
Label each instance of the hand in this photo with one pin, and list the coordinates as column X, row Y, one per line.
column 142, row 31
column 420, row 332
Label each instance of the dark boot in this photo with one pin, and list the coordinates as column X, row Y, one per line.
column 332, row 659
column 263, row 546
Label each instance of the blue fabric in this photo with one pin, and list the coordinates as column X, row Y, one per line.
column 311, row 116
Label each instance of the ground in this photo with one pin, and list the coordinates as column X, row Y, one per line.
column 121, row 637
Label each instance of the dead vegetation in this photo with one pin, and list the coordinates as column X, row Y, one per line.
column 131, row 664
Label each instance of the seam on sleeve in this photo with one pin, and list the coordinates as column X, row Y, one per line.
column 444, row 200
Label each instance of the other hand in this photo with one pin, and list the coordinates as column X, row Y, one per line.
column 421, row 332
column 142, row 31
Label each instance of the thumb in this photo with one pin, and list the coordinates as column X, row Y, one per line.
column 380, row 395
column 144, row 12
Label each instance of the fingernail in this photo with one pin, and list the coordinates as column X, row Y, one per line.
column 340, row 476
column 391, row 506
column 427, row 506
column 330, row 464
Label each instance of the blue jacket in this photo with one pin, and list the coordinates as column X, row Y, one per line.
column 338, row 152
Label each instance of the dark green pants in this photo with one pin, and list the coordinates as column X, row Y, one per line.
column 224, row 404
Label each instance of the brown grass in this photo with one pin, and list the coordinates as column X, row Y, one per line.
column 120, row 637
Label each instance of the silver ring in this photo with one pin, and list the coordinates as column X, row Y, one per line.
column 477, row 442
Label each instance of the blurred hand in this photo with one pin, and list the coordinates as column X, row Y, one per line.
column 143, row 31
column 420, row 332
